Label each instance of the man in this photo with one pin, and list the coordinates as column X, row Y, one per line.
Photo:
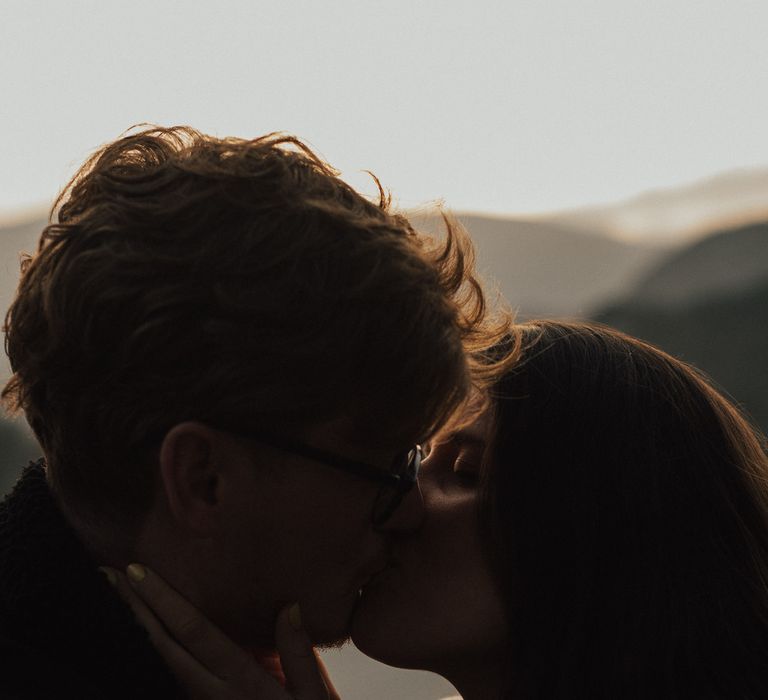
column 229, row 358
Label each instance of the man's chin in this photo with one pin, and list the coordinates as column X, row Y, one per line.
column 329, row 629
column 328, row 636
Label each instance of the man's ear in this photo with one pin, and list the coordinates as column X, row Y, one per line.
column 190, row 474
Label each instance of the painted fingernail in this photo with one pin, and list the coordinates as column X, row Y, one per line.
column 294, row 616
column 110, row 575
column 136, row 572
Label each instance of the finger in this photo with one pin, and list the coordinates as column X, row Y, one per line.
column 304, row 680
column 198, row 635
column 195, row 677
column 142, row 613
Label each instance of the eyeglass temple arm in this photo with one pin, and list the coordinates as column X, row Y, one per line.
column 366, row 471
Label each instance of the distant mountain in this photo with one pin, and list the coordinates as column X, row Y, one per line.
column 678, row 214
column 565, row 263
column 725, row 262
column 540, row 268
column 15, row 239
column 708, row 305
column 17, row 448
column 546, row 269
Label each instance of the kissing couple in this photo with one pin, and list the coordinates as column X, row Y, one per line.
column 274, row 415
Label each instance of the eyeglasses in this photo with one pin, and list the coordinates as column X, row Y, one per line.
column 393, row 485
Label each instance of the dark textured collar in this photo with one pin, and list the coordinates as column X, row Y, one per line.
column 55, row 602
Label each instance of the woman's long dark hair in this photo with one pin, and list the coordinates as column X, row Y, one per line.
column 627, row 518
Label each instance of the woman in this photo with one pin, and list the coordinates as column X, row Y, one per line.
column 601, row 533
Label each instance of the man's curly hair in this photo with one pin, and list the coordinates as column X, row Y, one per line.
column 237, row 282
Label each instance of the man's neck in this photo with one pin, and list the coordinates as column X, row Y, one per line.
column 101, row 541
column 152, row 545
column 185, row 565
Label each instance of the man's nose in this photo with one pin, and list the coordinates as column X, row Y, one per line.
column 409, row 515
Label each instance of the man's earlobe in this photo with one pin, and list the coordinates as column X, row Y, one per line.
column 190, row 477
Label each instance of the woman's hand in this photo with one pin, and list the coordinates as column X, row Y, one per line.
column 208, row 664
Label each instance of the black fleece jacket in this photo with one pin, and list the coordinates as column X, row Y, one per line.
column 64, row 632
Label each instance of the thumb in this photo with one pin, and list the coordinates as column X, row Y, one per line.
column 303, row 679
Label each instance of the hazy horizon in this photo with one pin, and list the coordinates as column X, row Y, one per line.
column 658, row 216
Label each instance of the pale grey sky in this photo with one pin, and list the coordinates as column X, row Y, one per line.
column 513, row 106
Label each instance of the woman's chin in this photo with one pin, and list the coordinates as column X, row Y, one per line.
column 380, row 633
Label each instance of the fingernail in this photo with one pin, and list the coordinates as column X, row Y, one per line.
column 294, row 616
column 111, row 576
column 136, row 572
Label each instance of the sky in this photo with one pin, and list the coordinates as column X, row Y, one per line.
column 502, row 107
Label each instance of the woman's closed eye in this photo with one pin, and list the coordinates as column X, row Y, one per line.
column 467, row 460
column 456, row 459
column 467, row 469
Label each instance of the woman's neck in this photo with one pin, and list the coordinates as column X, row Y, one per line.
column 479, row 679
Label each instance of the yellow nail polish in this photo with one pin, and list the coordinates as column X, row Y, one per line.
column 136, row 572
column 294, row 616
column 111, row 576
